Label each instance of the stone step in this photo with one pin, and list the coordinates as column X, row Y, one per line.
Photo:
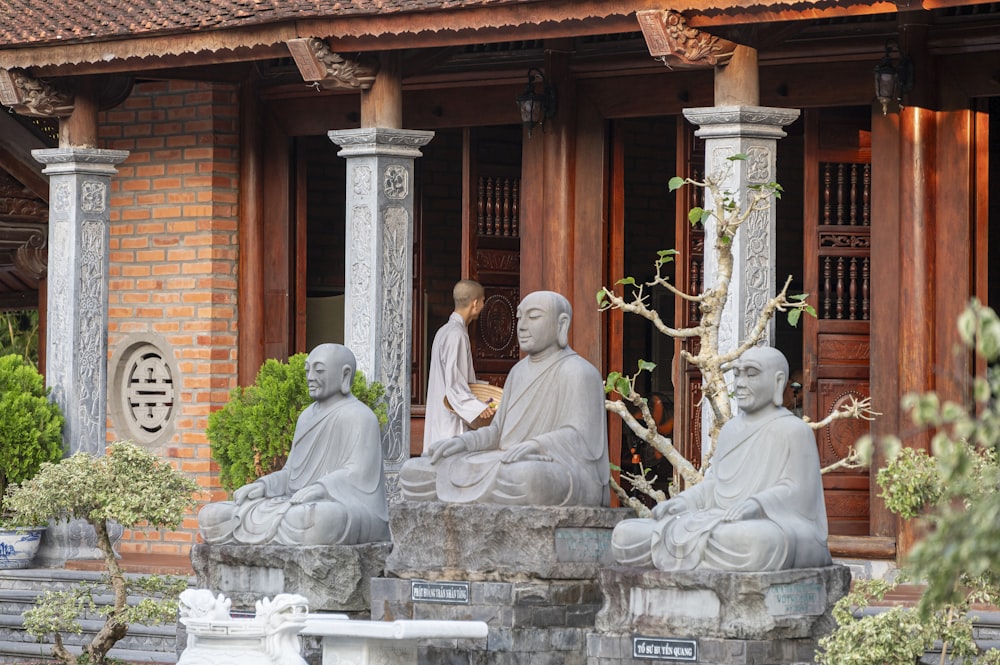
column 19, row 590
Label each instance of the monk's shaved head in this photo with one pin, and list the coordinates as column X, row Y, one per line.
column 466, row 291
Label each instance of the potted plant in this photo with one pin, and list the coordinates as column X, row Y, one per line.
column 30, row 435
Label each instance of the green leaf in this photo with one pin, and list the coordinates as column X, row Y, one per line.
column 646, row 366
column 623, row 387
column 602, row 297
column 799, row 297
column 609, row 383
column 738, row 157
column 676, row 183
column 626, row 280
column 696, row 215
column 793, row 317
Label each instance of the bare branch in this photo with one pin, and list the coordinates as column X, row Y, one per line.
column 857, row 409
column 630, row 501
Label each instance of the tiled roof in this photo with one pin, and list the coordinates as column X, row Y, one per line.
column 46, row 21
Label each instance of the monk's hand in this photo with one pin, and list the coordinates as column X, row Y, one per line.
column 745, row 510
column 488, row 413
column 526, row 450
column 309, row 493
column 669, row 507
column 248, row 493
column 445, row 448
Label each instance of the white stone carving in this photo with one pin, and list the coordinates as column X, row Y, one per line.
column 270, row 637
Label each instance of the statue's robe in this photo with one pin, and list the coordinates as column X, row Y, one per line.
column 336, row 446
column 556, row 401
column 774, row 463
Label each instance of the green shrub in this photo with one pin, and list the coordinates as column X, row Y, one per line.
column 252, row 434
column 30, row 424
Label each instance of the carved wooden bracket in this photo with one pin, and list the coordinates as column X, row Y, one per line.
column 34, row 97
column 669, row 38
column 319, row 65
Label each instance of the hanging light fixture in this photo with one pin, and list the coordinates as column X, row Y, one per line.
column 538, row 101
column 893, row 79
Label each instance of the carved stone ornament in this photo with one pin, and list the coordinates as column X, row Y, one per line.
column 669, row 38
column 329, row 70
column 33, row 97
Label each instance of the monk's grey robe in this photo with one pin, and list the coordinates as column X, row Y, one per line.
column 774, row 463
column 339, row 449
column 558, row 402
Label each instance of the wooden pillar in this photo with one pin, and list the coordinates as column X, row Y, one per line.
column 738, row 82
column 250, row 307
column 382, row 104
column 79, row 130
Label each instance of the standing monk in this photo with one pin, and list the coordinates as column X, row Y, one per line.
column 451, row 372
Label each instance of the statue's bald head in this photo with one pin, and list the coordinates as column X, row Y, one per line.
column 773, row 369
column 330, row 371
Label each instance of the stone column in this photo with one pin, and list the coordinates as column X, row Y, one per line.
column 378, row 312
column 753, row 131
column 76, row 348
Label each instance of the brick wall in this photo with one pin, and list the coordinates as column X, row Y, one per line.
column 173, row 258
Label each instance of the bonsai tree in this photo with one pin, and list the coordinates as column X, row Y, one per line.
column 132, row 487
column 955, row 493
column 727, row 215
column 252, row 434
column 30, row 424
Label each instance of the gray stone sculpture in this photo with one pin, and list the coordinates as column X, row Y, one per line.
column 331, row 490
column 760, row 506
column 547, row 444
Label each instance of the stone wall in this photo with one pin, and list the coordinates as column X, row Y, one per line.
column 173, row 286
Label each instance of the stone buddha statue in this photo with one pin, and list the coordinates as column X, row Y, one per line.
column 546, row 445
column 331, row 490
column 760, row 506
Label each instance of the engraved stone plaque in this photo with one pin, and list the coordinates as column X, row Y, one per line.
column 452, row 593
column 664, row 648
column 796, row 598
column 587, row 545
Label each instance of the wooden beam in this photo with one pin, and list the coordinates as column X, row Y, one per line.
column 16, row 144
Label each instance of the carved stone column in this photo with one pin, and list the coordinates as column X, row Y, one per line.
column 379, row 272
column 76, row 347
column 753, row 131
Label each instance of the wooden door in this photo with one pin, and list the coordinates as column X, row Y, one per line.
column 690, row 242
column 837, row 265
column 492, row 227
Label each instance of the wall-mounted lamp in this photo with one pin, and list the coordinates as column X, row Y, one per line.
column 538, row 101
column 893, row 80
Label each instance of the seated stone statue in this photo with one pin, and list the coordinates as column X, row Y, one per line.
column 331, row 490
column 760, row 506
column 547, row 443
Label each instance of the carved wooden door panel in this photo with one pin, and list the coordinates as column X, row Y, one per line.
column 690, row 242
column 494, row 247
column 837, row 265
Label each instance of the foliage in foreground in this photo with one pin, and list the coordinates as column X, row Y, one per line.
column 30, row 424
column 130, row 486
column 252, row 434
column 955, row 493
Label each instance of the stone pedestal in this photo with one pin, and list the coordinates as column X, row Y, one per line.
column 529, row 573
column 333, row 578
column 714, row 617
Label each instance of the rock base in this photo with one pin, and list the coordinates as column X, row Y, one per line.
column 530, row 573
column 714, row 617
column 333, row 578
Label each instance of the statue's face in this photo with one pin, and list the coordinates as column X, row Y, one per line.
column 754, row 382
column 322, row 375
column 537, row 324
